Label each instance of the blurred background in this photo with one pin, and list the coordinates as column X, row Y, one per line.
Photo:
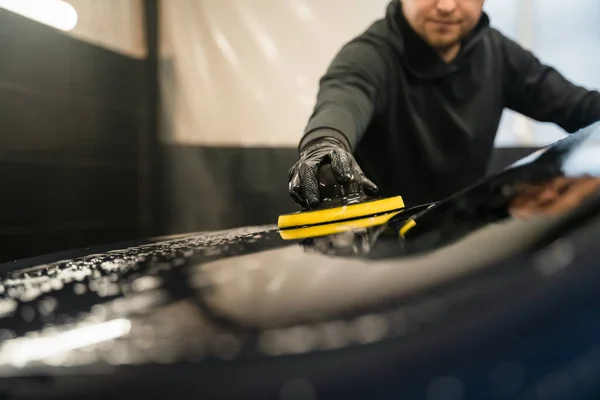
column 123, row 119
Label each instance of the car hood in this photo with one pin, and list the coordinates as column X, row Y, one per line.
column 497, row 248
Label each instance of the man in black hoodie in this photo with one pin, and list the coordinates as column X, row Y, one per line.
column 415, row 102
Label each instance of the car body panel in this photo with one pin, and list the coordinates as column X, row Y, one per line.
column 490, row 279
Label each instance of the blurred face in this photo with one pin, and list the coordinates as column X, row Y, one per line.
column 442, row 23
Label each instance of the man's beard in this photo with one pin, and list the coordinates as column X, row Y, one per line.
column 443, row 44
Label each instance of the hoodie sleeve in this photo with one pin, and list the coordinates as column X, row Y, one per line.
column 540, row 92
column 351, row 91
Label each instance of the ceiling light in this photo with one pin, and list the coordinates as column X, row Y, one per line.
column 55, row 13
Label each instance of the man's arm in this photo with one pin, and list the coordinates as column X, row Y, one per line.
column 352, row 90
column 540, row 92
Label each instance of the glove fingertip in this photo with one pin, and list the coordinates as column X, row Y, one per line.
column 371, row 186
column 341, row 165
column 311, row 195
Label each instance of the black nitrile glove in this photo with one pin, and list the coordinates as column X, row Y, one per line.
column 303, row 182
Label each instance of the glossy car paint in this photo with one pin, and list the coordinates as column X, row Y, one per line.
column 492, row 294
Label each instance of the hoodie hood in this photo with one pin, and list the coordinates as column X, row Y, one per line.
column 417, row 55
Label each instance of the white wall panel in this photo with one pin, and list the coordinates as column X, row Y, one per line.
column 113, row 24
column 116, row 25
column 567, row 36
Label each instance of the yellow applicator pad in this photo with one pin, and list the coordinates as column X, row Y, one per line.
column 329, row 221
column 334, row 227
column 339, row 214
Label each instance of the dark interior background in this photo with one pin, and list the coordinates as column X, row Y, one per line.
column 80, row 163
column 73, row 133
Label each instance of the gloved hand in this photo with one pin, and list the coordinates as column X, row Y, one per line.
column 303, row 182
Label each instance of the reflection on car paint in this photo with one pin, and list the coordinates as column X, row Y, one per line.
column 246, row 293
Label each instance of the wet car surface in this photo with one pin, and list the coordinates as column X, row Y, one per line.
column 491, row 293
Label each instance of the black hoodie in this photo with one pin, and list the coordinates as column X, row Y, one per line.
column 423, row 128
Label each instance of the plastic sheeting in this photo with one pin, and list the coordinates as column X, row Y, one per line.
column 245, row 73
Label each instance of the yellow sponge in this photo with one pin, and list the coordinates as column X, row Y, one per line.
column 334, row 227
column 342, row 213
